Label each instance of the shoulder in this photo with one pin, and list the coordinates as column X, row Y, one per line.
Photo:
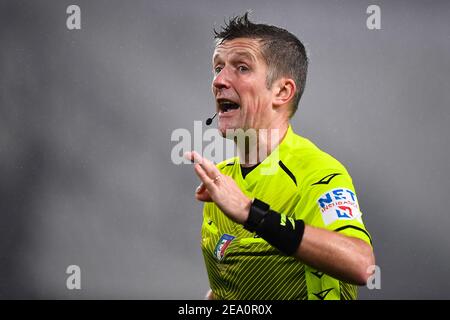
column 310, row 163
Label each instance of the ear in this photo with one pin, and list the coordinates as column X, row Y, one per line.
column 283, row 91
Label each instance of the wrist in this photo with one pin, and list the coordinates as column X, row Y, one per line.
column 282, row 232
column 246, row 211
column 255, row 214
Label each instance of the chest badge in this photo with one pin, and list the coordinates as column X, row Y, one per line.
column 222, row 245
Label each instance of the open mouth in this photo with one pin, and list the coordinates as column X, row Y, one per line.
column 227, row 105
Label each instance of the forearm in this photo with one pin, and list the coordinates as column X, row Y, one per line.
column 345, row 258
column 340, row 256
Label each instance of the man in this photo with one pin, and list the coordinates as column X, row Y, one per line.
column 297, row 232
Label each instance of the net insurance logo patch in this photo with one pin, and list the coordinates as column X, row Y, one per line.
column 338, row 204
column 222, row 245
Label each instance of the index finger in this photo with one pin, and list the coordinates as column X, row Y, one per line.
column 207, row 165
column 189, row 155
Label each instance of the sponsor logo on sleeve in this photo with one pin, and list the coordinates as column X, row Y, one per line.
column 338, row 204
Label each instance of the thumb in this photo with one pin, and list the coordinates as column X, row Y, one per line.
column 202, row 194
column 200, row 188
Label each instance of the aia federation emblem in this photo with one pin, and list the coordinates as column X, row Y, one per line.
column 338, row 204
column 222, row 245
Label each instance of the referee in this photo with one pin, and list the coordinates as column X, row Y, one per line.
column 296, row 232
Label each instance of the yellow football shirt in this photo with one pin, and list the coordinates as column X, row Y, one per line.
column 302, row 182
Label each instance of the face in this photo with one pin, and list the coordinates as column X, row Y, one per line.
column 239, row 86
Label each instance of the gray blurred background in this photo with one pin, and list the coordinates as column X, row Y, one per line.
column 86, row 118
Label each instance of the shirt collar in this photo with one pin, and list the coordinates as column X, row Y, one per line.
column 268, row 165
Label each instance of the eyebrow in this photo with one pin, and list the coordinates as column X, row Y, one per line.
column 244, row 55
column 238, row 54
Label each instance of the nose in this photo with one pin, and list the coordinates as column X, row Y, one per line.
column 221, row 80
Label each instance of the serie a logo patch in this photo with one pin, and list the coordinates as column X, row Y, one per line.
column 338, row 204
column 222, row 245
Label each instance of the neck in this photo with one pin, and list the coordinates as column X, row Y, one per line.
column 258, row 144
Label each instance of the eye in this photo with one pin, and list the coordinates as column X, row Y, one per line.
column 217, row 69
column 243, row 68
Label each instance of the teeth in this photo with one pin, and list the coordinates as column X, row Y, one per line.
column 225, row 106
